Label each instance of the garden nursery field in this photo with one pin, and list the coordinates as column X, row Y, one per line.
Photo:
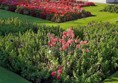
column 64, row 41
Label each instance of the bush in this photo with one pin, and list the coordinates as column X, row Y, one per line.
column 103, row 38
column 90, row 56
column 14, row 26
column 111, row 8
column 17, row 56
column 8, row 7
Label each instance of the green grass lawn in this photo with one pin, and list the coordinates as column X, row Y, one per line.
column 95, row 10
column 9, row 77
column 112, row 79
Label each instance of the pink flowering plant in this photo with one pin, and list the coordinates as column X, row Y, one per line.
column 64, row 52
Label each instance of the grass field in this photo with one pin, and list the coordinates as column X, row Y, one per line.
column 95, row 10
column 9, row 77
column 112, row 79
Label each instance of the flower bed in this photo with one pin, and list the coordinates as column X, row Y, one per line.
column 59, row 11
column 49, row 54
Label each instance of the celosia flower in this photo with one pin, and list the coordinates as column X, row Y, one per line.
column 53, row 40
column 76, row 40
column 53, row 44
column 64, row 36
column 65, row 46
column 64, row 33
column 53, row 73
column 58, row 77
column 70, row 33
column 84, row 42
column 70, row 41
column 59, row 71
column 60, row 49
column 49, row 43
column 62, row 41
column 78, row 46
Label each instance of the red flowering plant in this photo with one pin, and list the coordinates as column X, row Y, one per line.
column 64, row 51
column 57, row 11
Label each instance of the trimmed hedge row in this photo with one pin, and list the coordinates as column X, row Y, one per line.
column 27, row 53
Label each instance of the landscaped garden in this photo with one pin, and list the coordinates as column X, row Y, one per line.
column 83, row 48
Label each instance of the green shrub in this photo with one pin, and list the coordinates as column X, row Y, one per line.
column 22, row 10
column 111, row 8
column 8, row 7
column 22, row 48
column 13, row 25
column 104, row 36
column 28, row 54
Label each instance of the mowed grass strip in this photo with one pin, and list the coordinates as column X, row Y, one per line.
column 10, row 77
column 95, row 10
column 112, row 79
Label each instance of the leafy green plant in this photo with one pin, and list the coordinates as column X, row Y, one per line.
column 111, row 8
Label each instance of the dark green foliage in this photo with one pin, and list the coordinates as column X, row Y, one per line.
column 8, row 7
